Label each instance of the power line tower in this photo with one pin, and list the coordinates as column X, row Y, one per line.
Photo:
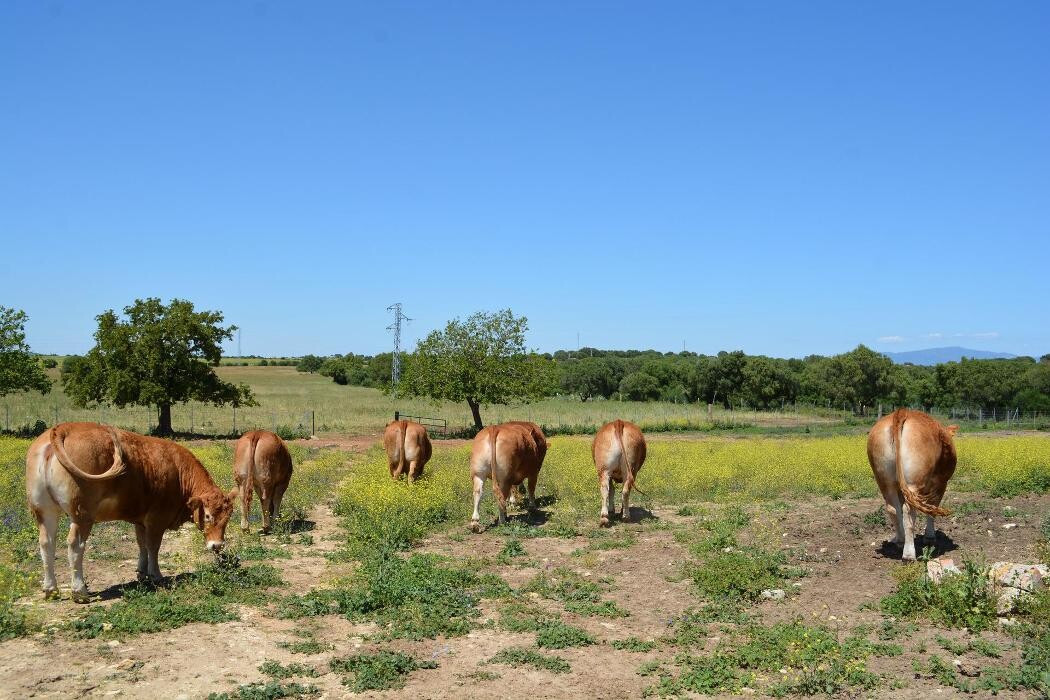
column 395, row 369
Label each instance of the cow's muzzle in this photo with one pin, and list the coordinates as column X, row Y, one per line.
column 215, row 546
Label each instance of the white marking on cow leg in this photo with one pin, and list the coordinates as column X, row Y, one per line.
column 604, row 487
column 898, row 512
column 625, row 503
column 931, row 530
column 479, row 487
column 153, row 540
column 143, row 567
column 48, row 531
column 77, row 542
column 909, row 533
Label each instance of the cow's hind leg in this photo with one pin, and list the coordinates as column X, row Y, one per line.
column 909, row 532
column 266, row 503
column 475, row 518
column 501, row 491
column 47, row 525
column 143, row 567
column 77, row 542
column 278, row 496
column 625, row 501
column 246, row 504
column 930, row 536
column 897, row 504
column 605, row 487
column 532, row 491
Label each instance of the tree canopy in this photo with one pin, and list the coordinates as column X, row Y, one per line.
column 19, row 369
column 158, row 355
column 482, row 361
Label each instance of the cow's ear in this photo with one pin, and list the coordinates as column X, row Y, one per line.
column 952, row 430
column 196, row 507
column 232, row 495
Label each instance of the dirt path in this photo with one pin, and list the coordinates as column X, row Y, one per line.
column 838, row 542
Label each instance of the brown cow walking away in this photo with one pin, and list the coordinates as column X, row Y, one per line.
column 912, row 457
column 95, row 473
column 408, row 448
column 509, row 454
column 261, row 463
column 618, row 451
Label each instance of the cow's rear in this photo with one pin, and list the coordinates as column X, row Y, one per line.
column 912, row 457
column 263, row 465
column 509, row 454
column 408, row 448
column 619, row 452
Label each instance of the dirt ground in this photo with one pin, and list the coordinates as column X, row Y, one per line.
column 848, row 567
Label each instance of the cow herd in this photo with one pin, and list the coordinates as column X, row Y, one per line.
column 95, row 473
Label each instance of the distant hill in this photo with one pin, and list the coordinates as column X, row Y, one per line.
column 933, row 356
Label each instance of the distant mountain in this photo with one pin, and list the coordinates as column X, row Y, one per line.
column 934, row 356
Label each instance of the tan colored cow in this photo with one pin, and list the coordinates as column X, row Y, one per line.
column 95, row 473
column 408, row 448
column 912, row 457
column 261, row 463
column 509, row 454
column 618, row 451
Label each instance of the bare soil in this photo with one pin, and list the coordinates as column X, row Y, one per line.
column 849, row 568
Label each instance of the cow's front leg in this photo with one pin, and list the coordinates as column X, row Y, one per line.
column 605, row 486
column 475, row 519
column 77, row 542
column 142, row 572
column 47, row 525
column 154, row 535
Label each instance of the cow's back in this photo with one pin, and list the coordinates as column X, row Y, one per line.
column 266, row 455
column 417, row 443
column 150, row 485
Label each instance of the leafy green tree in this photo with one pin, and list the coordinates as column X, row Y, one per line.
column 639, row 386
column 159, row 355
column 766, row 382
column 309, row 363
column 588, row 377
column 728, row 372
column 482, row 360
column 19, row 369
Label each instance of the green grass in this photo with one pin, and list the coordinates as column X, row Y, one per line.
column 384, row 670
column 964, row 600
column 271, row 690
column 558, row 635
column 522, row 656
column 309, row 647
column 633, row 644
column 275, row 670
column 209, row 595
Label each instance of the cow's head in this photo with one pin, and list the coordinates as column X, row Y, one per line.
column 211, row 513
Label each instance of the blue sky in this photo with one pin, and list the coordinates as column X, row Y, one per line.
column 784, row 178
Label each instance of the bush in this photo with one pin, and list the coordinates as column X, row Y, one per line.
column 963, row 600
column 384, row 670
column 49, row 362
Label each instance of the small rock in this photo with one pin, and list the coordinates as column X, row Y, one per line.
column 1007, row 622
column 112, row 644
column 126, row 664
column 727, row 550
column 747, row 691
column 940, row 567
column 773, row 594
column 823, row 550
column 1009, row 526
column 796, row 584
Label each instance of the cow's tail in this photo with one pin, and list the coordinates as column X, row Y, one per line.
column 403, row 427
column 912, row 498
column 628, row 474
column 492, row 451
column 249, row 479
column 118, row 467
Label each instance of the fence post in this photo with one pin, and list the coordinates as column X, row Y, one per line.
column 397, row 415
column 313, row 423
column 234, row 420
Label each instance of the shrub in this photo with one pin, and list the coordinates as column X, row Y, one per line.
column 963, row 600
column 384, row 670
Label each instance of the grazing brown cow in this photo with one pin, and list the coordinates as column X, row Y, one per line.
column 509, row 453
column 261, row 463
column 407, row 448
column 912, row 456
column 95, row 473
column 618, row 451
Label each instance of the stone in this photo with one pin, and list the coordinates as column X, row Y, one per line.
column 773, row 594
column 940, row 567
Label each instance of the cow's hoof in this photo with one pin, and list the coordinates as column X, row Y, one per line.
column 475, row 526
column 604, row 522
column 81, row 596
column 51, row 594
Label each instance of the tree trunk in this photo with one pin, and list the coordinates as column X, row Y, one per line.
column 475, row 410
column 164, row 420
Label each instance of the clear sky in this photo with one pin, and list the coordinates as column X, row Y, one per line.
column 781, row 177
